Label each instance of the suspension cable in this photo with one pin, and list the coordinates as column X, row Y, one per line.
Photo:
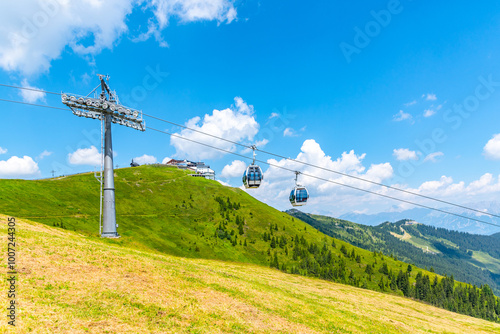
column 267, row 152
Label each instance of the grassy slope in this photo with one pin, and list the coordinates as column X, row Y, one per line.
column 154, row 209
column 78, row 284
column 165, row 210
column 487, row 261
column 481, row 259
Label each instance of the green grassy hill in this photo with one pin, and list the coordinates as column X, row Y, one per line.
column 74, row 283
column 164, row 210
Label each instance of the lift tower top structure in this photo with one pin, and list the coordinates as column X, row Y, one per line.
column 107, row 109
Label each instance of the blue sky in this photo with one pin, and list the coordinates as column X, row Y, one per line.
column 276, row 72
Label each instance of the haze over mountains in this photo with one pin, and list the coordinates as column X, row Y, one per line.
column 437, row 219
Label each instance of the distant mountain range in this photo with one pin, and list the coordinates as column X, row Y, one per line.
column 469, row 257
column 437, row 219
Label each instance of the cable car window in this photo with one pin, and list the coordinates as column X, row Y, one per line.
column 301, row 195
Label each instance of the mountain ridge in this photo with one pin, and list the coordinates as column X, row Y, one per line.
column 470, row 257
column 437, row 219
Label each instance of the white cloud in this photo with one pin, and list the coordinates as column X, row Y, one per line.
column 274, row 115
column 33, row 33
column 492, row 148
column 401, row 116
column 289, row 132
column 165, row 160
column 29, row 45
column 31, row 96
column 44, row 154
column 235, row 169
column 193, row 10
column 236, row 123
column 145, row 159
column 433, row 186
column 335, row 199
column 433, row 156
column 224, row 183
column 3, row 150
column 445, row 187
column 261, row 143
column 278, row 182
column 85, row 156
column 410, row 103
column 430, row 97
column 379, row 172
column 429, row 112
column 258, row 144
column 243, row 107
column 404, row 154
column 18, row 167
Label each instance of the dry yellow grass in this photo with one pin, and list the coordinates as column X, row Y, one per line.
column 75, row 284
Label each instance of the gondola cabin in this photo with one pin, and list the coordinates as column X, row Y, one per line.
column 252, row 177
column 299, row 196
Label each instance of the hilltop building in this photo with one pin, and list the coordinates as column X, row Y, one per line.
column 200, row 168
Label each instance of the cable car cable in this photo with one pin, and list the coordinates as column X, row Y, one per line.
column 34, row 104
column 326, row 180
column 330, row 170
column 291, row 170
column 269, row 153
column 32, row 89
column 297, row 161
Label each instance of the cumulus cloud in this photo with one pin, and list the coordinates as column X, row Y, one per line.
column 336, row 199
column 18, row 167
column 432, row 157
column 492, row 148
column 429, row 112
column 404, row 154
column 430, row 97
column 165, row 160
column 433, row 186
column 3, row 150
column 145, row 159
column 258, row 144
column 193, row 10
column 44, row 154
column 29, row 95
column 85, row 156
column 29, row 45
column 33, row 33
column 278, row 182
column 235, row 169
column 410, row 103
column 289, row 132
column 261, row 143
column 236, row 123
column 224, row 183
column 445, row 187
column 402, row 116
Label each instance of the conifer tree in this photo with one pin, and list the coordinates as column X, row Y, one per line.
column 273, row 242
